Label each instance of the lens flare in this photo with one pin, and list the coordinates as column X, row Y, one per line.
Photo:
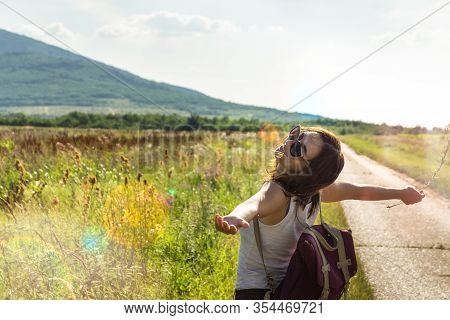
column 93, row 240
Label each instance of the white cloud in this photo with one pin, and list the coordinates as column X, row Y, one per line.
column 166, row 24
column 57, row 29
column 26, row 30
column 117, row 31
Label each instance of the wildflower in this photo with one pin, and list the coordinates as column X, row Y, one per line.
column 66, row 176
column 77, row 157
column 268, row 133
column 20, row 167
column 125, row 163
column 133, row 215
column 170, row 200
column 125, row 160
column 55, row 201
column 92, row 180
column 60, row 146
column 86, row 206
column 99, row 191
column 212, row 172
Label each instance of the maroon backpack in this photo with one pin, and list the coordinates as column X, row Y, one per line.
column 321, row 266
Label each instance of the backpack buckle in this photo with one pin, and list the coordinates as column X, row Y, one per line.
column 326, row 268
column 344, row 263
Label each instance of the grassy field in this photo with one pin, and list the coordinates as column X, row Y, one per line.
column 101, row 214
column 418, row 156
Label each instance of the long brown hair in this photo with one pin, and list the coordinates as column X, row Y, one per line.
column 324, row 170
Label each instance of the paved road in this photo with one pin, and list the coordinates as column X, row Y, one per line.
column 406, row 249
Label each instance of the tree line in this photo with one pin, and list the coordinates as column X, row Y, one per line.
column 193, row 122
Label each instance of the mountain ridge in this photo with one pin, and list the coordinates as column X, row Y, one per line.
column 36, row 75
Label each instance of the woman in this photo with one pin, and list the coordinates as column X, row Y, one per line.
column 307, row 166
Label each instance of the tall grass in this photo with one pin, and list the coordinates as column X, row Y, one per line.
column 100, row 214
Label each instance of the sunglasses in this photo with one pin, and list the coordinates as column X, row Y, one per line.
column 298, row 148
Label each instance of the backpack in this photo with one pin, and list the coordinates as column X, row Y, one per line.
column 320, row 268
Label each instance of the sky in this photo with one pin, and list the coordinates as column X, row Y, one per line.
column 270, row 53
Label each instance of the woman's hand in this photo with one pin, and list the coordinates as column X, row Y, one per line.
column 411, row 195
column 229, row 224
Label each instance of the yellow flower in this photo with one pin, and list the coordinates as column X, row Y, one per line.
column 269, row 133
column 135, row 214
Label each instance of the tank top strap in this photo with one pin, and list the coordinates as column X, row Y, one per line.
column 288, row 206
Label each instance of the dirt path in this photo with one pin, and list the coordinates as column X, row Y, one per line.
column 405, row 249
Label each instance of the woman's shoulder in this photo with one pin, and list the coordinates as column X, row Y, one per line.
column 272, row 198
column 272, row 203
column 275, row 185
column 274, row 188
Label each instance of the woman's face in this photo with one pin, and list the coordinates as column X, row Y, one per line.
column 311, row 146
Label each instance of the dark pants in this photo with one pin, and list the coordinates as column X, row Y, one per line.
column 250, row 294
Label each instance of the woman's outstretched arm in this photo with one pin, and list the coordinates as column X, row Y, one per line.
column 265, row 202
column 341, row 190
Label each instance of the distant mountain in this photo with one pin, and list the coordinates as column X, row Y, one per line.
column 39, row 78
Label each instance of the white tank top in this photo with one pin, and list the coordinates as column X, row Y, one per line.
column 278, row 241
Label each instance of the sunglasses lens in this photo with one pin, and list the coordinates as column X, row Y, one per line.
column 300, row 136
column 293, row 134
column 294, row 131
column 296, row 149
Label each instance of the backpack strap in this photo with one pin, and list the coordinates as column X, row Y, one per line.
column 325, row 267
column 320, row 241
column 343, row 262
column 269, row 278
